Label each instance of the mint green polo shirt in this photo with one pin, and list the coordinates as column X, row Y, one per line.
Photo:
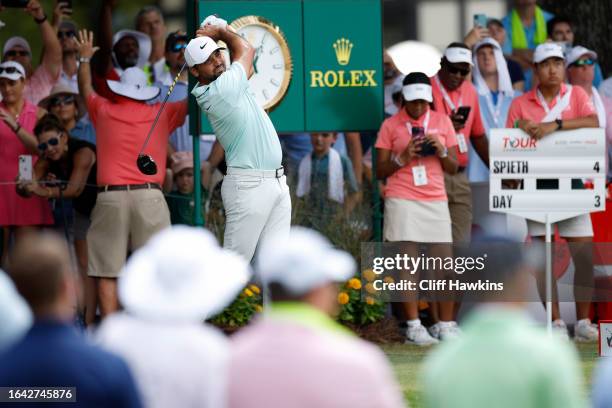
column 503, row 360
column 242, row 127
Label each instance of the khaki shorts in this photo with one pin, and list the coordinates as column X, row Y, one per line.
column 120, row 218
column 417, row 221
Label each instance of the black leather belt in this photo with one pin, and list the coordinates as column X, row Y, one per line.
column 128, row 187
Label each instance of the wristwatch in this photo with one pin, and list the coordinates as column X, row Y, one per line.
column 398, row 161
column 83, row 60
column 444, row 153
column 559, row 123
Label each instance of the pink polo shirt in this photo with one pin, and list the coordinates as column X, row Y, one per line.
column 39, row 85
column 394, row 136
column 121, row 129
column 527, row 106
column 465, row 95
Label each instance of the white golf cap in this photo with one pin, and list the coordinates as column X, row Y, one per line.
column 12, row 70
column 415, row 92
column 133, row 84
column 578, row 51
column 546, row 51
column 144, row 44
column 199, row 50
column 458, row 55
column 16, row 42
column 181, row 274
column 303, row 261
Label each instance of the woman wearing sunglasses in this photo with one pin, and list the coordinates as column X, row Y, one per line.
column 18, row 117
column 70, row 109
column 71, row 163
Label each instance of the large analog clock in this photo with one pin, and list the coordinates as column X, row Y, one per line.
column 272, row 65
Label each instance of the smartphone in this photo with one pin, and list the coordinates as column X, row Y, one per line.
column 25, row 167
column 418, row 132
column 14, row 3
column 427, row 148
column 464, row 111
column 480, row 20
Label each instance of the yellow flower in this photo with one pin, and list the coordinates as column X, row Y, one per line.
column 354, row 284
column 248, row 292
column 369, row 275
column 370, row 288
column 389, row 279
column 258, row 308
column 343, row 298
column 255, row 289
column 369, row 300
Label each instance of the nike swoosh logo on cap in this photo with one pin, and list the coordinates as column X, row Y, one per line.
column 203, row 46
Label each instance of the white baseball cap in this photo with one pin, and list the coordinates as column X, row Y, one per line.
column 133, row 84
column 199, row 50
column 16, row 41
column 181, row 274
column 546, row 51
column 415, row 92
column 12, row 70
column 577, row 52
column 303, row 261
column 458, row 55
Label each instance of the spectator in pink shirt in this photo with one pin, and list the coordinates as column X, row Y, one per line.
column 416, row 146
column 40, row 81
column 296, row 355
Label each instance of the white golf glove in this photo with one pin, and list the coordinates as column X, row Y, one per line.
column 215, row 21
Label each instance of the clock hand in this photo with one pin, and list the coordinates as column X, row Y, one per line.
column 255, row 63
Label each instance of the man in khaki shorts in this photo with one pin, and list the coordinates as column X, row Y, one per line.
column 130, row 207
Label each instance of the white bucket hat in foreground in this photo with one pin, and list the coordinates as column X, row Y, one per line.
column 546, row 51
column 577, row 52
column 133, row 85
column 144, row 45
column 181, row 274
column 199, row 50
column 303, row 261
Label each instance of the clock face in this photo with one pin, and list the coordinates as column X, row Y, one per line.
column 272, row 62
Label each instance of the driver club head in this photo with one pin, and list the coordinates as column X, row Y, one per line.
column 146, row 164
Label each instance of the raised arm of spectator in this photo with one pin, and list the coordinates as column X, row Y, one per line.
column 60, row 13
column 86, row 52
column 103, row 60
column 240, row 49
column 52, row 49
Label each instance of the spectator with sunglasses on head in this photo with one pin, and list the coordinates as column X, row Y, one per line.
column 72, row 162
column 38, row 82
column 18, row 117
column 66, row 34
column 70, row 109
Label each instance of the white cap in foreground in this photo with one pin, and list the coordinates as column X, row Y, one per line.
column 303, row 261
column 199, row 50
column 546, row 51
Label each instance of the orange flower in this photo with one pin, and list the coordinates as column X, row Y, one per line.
column 343, row 298
column 370, row 288
column 248, row 292
column 258, row 308
column 255, row 289
column 369, row 275
column 389, row 279
column 369, row 300
column 354, row 284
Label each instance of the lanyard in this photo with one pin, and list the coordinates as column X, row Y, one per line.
column 494, row 111
column 543, row 101
column 447, row 98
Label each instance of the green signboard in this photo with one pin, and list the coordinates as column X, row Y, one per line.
column 319, row 62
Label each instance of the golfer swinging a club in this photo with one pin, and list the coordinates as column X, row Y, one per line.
column 255, row 193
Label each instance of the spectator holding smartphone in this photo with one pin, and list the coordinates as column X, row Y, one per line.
column 38, row 82
column 416, row 146
column 454, row 96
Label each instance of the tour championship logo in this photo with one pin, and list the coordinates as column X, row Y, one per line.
column 519, row 144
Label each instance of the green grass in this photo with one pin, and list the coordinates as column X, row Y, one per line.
column 407, row 359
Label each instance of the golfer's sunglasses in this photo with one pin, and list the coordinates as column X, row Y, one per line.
column 583, row 62
column 54, row 141
column 61, row 100
column 16, row 53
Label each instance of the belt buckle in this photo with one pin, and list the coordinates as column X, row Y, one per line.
column 276, row 172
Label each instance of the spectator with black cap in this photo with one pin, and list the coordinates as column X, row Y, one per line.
column 416, row 147
column 39, row 81
column 452, row 94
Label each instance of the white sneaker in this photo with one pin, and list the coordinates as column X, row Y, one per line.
column 451, row 332
column 584, row 331
column 418, row 335
column 434, row 330
column 560, row 329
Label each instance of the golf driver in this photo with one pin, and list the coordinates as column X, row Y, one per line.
column 145, row 162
